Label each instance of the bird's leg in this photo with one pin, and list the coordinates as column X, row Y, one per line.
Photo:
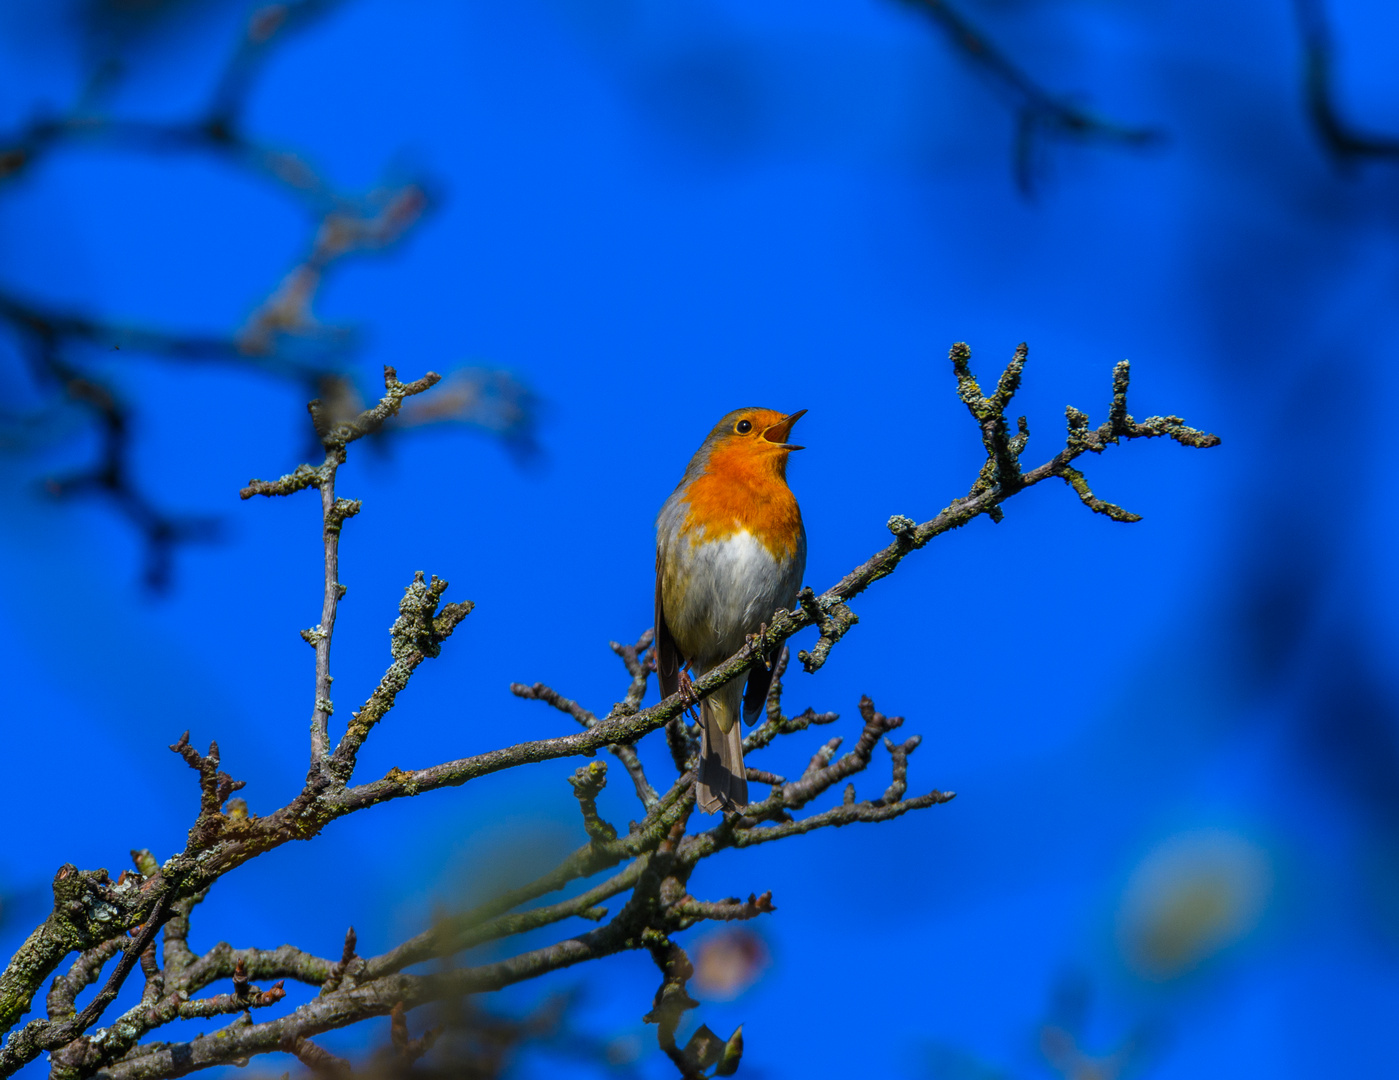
column 753, row 640
column 686, row 688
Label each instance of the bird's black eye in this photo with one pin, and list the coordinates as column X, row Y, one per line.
column 743, row 427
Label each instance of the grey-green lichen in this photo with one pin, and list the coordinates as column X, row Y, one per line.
column 93, row 915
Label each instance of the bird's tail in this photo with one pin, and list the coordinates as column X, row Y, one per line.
column 722, row 783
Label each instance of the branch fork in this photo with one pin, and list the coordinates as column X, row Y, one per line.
column 102, row 921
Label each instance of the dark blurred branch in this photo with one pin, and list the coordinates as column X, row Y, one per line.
column 216, row 128
column 1341, row 140
column 268, row 25
column 408, row 1048
column 101, row 920
column 1039, row 114
column 68, row 352
column 1061, row 1037
column 43, row 342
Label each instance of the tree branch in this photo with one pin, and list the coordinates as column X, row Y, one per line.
column 639, row 667
column 335, row 435
column 92, row 915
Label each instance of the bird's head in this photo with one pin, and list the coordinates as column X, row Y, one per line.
column 752, row 438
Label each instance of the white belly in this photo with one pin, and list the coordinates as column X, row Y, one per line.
column 724, row 591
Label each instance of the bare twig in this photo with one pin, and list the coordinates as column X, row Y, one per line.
column 652, row 862
column 416, row 635
column 84, row 972
column 347, row 965
column 587, row 782
column 639, row 666
column 336, row 434
column 408, row 1048
column 728, row 910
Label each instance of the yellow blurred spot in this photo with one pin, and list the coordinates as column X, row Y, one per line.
column 1192, row 896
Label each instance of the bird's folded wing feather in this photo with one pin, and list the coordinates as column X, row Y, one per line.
column 667, row 655
column 759, row 683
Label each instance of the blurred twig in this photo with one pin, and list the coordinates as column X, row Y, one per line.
column 69, row 354
column 1060, row 1038
column 1040, row 115
column 1345, row 144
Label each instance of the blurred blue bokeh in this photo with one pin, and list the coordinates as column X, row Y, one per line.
column 1176, row 744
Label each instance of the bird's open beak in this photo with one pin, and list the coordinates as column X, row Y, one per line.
column 779, row 431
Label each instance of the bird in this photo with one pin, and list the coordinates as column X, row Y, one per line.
column 730, row 551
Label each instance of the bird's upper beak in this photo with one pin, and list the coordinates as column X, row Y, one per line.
column 779, row 431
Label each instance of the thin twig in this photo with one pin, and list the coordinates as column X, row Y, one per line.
column 653, row 860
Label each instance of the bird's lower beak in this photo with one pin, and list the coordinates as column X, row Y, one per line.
column 779, row 431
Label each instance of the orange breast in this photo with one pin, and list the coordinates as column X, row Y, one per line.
column 741, row 491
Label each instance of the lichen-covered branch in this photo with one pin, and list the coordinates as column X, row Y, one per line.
column 414, row 638
column 84, row 972
column 107, row 924
column 423, row 624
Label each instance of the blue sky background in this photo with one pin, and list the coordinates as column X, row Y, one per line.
column 655, row 212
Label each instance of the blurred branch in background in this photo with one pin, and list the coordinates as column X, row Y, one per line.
column 1062, row 1037
column 1192, row 897
column 1040, row 115
column 69, row 355
column 71, row 358
column 472, row 1043
column 112, row 926
column 1345, row 143
column 1059, row 1041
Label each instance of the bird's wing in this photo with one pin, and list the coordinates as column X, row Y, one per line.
column 667, row 655
column 759, row 683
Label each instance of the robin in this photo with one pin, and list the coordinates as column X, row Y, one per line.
column 730, row 551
